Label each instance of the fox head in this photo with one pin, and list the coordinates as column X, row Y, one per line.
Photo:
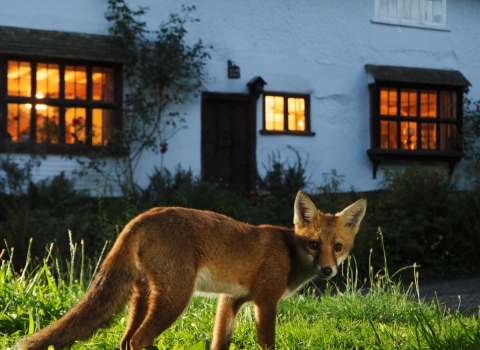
column 326, row 239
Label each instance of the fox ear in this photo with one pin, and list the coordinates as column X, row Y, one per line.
column 304, row 210
column 352, row 215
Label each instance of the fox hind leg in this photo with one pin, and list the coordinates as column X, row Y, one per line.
column 227, row 310
column 164, row 306
column 136, row 312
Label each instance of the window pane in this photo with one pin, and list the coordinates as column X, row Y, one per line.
column 448, row 104
column 448, row 137
column 433, row 11
column 102, row 79
column 429, row 136
column 408, row 103
column 19, row 78
column 75, row 83
column 47, row 123
column 388, row 134
column 296, row 114
column 388, row 8
column 75, row 130
column 274, row 112
column 428, row 104
column 48, row 80
column 388, row 101
column 102, row 126
column 18, row 122
column 411, row 10
column 408, row 135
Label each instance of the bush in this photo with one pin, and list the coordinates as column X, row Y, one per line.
column 275, row 194
column 427, row 220
column 185, row 189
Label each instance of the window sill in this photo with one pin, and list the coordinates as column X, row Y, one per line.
column 288, row 132
column 56, row 149
column 378, row 155
column 440, row 27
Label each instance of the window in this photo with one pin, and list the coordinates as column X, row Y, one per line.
column 57, row 103
column 423, row 13
column 415, row 114
column 286, row 114
column 414, row 119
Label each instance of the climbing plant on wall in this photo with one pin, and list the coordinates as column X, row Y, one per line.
column 162, row 72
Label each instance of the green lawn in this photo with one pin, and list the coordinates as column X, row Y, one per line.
column 382, row 315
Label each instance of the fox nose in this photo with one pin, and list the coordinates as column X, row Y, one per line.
column 326, row 271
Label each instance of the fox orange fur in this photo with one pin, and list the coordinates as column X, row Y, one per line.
column 165, row 254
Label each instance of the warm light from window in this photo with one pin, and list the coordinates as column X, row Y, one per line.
column 102, row 126
column 19, row 78
column 409, row 135
column 296, row 114
column 428, row 104
column 408, row 103
column 274, row 112
column 388, row 101
column 18, row 122
column 388, row 134
column 75, row 128
column 48, row 80
column 76, row 82
column 47, row 124
column 102, row 79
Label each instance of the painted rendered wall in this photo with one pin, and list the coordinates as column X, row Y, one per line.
column 316, row 47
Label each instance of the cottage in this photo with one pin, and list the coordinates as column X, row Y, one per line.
column 355, row 86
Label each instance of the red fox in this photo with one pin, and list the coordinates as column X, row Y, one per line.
column 166, row 254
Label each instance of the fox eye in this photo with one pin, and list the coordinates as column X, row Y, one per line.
column 313, row 245
column 338, row 247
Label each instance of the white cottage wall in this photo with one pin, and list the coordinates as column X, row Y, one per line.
column 314, row 47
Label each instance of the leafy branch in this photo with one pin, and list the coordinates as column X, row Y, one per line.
column 162, row 72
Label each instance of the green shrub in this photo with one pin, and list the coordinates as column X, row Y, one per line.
column 275, row 193
column 185, row 189
column 428, row 221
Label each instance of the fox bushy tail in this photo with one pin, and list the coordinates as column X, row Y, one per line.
column 108, row 293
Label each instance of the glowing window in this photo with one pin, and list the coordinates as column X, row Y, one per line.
column 274, row 113
column 18, row 122
column 286, row 113
column 60, row 104
column 48, row 81
column 428, row 104
column 102, row 126
column 388, row 102
column 102, row 80
column 75, row 125
column 296, row 114
column 423, row 119
column 47, row 123
column 76, row 82
column 19, row 78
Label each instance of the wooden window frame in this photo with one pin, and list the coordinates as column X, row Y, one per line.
column 378, row 154
column 285, row 131
column 61, row 103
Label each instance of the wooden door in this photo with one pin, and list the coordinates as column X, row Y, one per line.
column 228, row 140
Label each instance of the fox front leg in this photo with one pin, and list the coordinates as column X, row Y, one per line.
column 227, row 310
column 265, row 317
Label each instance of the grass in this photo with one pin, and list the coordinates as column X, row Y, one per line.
column 378, row 313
